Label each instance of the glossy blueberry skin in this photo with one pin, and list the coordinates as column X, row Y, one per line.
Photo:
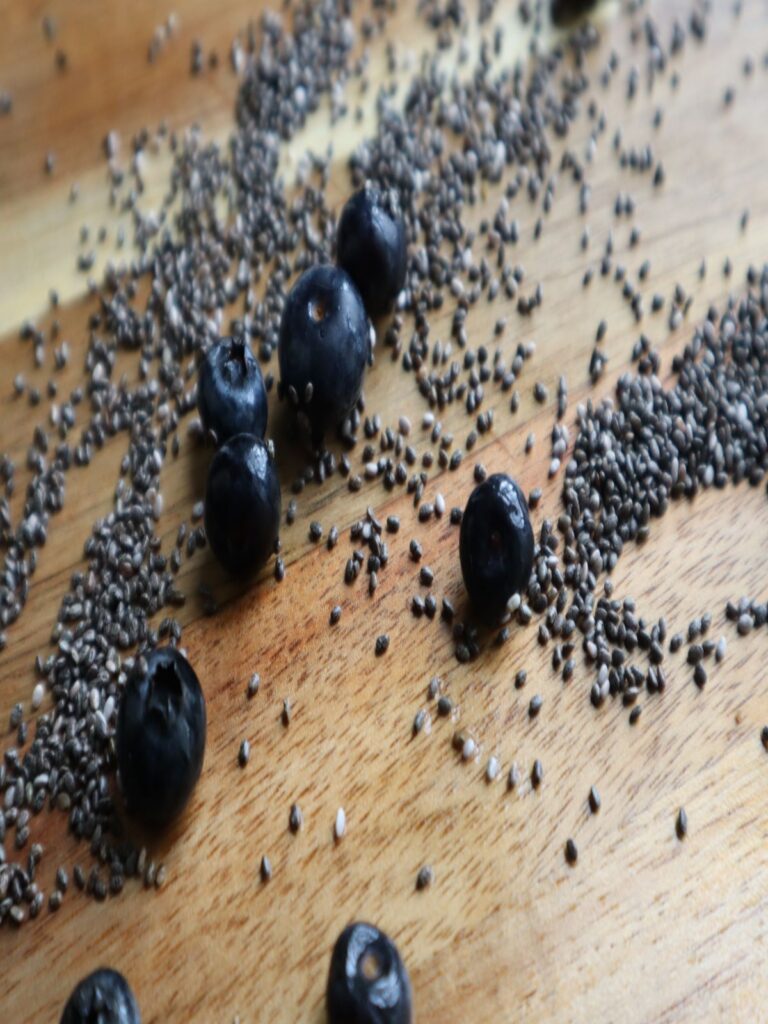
column 231, row 397
column 496, row 546
column 242, row 505
column 371, row 247
column 367, row 980
column 160, row 737
column 104, row 997
column 324, row 341
column 564, row 11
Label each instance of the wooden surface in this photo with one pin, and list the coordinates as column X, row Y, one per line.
column 645, row 927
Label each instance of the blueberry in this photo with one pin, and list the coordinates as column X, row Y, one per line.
column 370, row 246
column 367, row 980
column 242, row 504
column 496, row 545
column 104, row 997
column 231, row 396
column 564, row 11
column 160, row 736
column 323, row 347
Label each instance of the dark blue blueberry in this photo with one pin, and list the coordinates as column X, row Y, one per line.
column 323, row 348
column 371, row 247
column 496, row 545
column 231, row 396
column 367, row 980
column 160, row 737
column 242, row 505
column 104, row 997
column 564, row 11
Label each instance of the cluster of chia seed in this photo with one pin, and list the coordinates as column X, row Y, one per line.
column 484, row 130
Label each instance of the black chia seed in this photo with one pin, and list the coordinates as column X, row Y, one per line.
column 681, row 825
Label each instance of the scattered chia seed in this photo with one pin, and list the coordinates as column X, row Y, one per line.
column 285, row 714
column 295, row 819
column 253, row 685
column 444, row 706
column 382, row 644
column 492, row 769
column 537, row 774
column 744, row 624
column 244, row 753
column 265, row 868
column 571, row 852
column 594, row 799
column 681, row 825
column 424, row 878
column 335, row 614
column 340, row 824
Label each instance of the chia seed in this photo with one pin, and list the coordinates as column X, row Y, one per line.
column 253, row 685
column 444, row 706
column 681, row 825
column 265, row 868
column 424, row 878
column 295, row 819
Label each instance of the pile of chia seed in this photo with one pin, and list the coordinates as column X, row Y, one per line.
column 220, row 255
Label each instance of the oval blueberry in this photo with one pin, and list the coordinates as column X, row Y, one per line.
column 231, row 397
column 242, row 504
column 160, row 737
column 367, row 980
column 495, row 545
column 371, row 247
column 323, row 347
column 104, row 997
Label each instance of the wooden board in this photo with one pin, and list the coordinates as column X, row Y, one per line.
column 644, row 928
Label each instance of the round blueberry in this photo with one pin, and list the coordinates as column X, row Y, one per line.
column 323, row 347
column 242, row 504
column 104, row 997
column 564, row 11
column 160, row 738
column 231, row 396
column 367, row 980
column 371, row 247
column 496, row 545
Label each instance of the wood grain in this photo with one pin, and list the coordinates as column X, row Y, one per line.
column 645, row 927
